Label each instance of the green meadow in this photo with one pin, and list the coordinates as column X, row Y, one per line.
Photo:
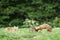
column 25, row 34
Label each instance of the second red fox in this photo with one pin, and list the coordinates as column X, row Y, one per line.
column 11, row 28
column 41, row 27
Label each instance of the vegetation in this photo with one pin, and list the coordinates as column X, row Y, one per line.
column 25, row 34
column 30, row 23
column 14, row 12
column 27, row 13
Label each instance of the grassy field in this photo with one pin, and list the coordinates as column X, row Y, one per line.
column 25, row 34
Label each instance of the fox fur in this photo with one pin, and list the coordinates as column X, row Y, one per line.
column 41, row 27
column 11, row 28
column 44, row 26
column 33, row 29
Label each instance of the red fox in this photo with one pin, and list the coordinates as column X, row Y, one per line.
column 11, row 28
column 44, row 26
column 33, row 29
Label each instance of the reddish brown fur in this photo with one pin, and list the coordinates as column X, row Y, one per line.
column 45, row 26
column 11, row 28
column 33, row 29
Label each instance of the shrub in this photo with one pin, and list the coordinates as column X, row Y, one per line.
column 55, row 22
column 16, row 22
column 29, row 23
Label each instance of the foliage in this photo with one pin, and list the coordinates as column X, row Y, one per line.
column 25, row 34
column 40, row 10
column 30, row 23
column 55, row 22
column 16, row 22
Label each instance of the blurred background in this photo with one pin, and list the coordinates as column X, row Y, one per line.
column 26, row 13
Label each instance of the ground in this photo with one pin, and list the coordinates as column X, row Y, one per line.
column 25, row 34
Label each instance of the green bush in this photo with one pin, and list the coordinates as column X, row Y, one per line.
column 28, row 23
column 41, row 10
column 16, row 22
column 55, row 22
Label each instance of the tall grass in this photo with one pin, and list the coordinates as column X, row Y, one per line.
column 25, row 34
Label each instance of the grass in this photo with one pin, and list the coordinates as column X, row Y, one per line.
column 25, row 34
